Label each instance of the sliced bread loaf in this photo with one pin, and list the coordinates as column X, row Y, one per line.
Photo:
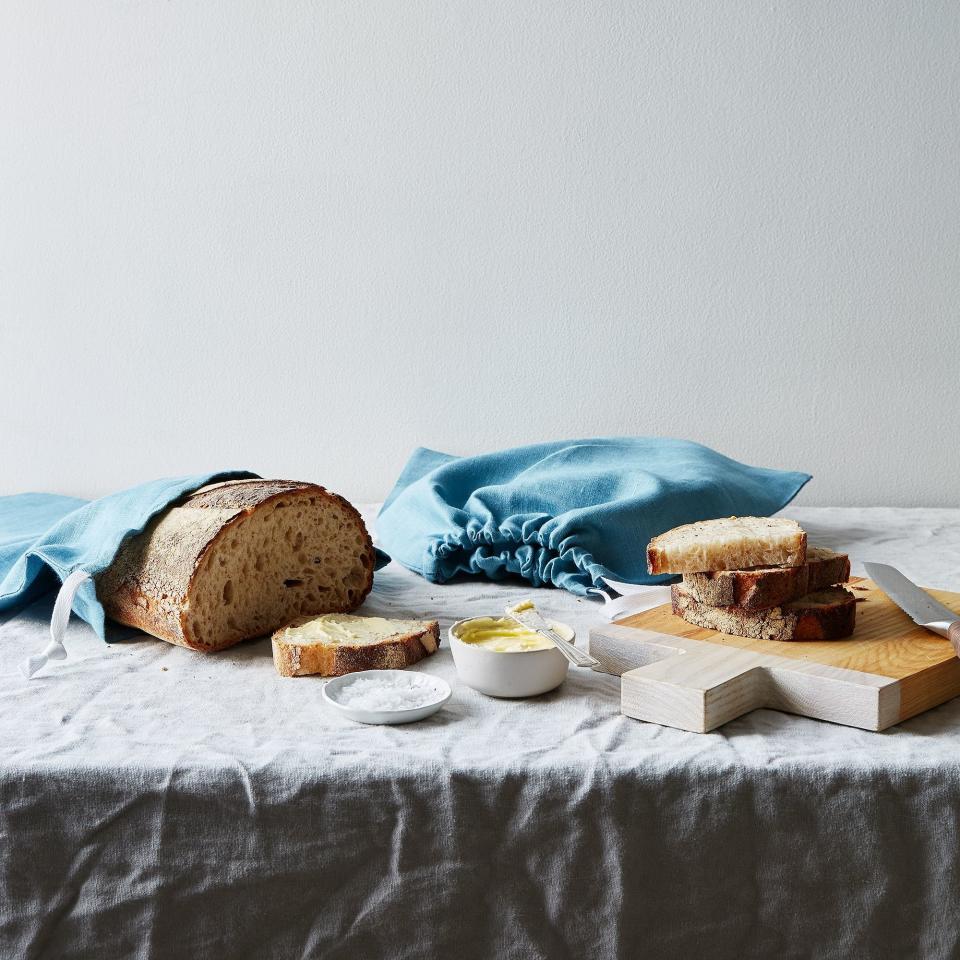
column 823, row 615
column 237, row 560
column 731, row 543
column 332, row 645
column 763, row 587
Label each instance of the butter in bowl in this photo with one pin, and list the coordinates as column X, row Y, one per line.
column 502, row 658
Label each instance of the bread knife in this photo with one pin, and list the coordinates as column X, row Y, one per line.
column 916, row 603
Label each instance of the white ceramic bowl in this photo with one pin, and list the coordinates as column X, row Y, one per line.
column 524, row 674
column 333, row 691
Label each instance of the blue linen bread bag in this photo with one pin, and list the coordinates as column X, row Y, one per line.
column 566, row 513
column 46, row 538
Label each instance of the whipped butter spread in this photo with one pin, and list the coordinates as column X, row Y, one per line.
column 501, row 635
column 341, row 628
column 521, row 606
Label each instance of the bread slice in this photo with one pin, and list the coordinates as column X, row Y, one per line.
column 732, row 543
column 335, row 644
column 237, row 560
column 827, row 614
column 763, row 587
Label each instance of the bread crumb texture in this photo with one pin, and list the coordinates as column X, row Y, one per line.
column 731, row 543
column 237, row 560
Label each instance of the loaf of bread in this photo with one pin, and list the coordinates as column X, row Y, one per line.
column 823, row 615
column 763, row 587
column 732, row 543
column 333, row 645
column 236, row 560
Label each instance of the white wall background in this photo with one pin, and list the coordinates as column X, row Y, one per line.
column 306, row 237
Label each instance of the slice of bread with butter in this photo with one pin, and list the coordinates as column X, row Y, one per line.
column 335, row 644
column 236, row 560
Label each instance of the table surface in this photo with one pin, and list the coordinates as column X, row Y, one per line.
column 109, row 744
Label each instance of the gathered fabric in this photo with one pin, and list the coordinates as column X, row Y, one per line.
column 569, row 513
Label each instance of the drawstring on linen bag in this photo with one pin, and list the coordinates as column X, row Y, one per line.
column 633, row 598
column 55, row 650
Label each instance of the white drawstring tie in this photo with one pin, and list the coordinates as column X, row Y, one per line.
column 633, row 598
column 55, row 650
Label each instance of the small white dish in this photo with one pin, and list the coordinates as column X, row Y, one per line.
column 333, row 693
column 522, row 674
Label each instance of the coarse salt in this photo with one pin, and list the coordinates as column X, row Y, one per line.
column 388, row 693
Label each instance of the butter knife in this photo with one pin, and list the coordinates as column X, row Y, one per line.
column 916, row 603
column 526, row 615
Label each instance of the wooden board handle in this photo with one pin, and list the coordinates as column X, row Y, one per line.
column 699, row 686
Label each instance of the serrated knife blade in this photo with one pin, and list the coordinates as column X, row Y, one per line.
column 923, row 609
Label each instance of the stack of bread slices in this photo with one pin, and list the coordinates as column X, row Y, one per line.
column 755, row 577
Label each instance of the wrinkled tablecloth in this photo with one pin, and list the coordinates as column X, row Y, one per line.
column 155, row 802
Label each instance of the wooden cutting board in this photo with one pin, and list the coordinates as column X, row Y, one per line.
column 683, row 676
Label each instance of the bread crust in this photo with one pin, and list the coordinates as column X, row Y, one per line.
column 761, row 588
column 334, row 660
column 828, row 614
column 149, row 584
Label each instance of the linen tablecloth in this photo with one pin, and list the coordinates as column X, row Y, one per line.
column 155, row 802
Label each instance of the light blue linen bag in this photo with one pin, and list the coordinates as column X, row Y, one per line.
column 46, row 540
column 568, row 513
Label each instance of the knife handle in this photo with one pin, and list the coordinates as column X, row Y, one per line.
column 953, row 632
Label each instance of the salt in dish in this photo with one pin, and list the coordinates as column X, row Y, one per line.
column 386, row 696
